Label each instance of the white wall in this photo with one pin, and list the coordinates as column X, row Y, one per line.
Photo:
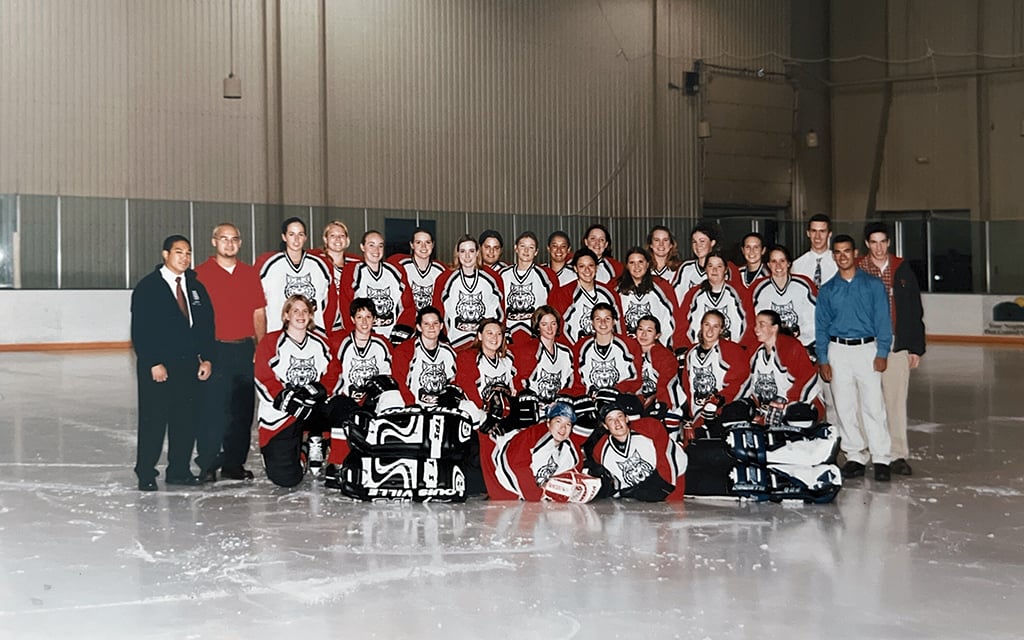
column 103, row 316
column 48, row 317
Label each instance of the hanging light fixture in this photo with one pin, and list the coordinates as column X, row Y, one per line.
column 232, row 83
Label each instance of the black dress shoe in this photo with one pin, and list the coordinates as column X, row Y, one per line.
column 147, row 485
column 208, row 476
column 186, row 481
column 900, row 467
column 852, row 470
column 236, row 473
column 882, row 473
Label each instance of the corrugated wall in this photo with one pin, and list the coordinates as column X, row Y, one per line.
column 952, row 143
column 124, row 98
column 458, row 105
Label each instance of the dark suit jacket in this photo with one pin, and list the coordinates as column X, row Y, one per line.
column 160, row 332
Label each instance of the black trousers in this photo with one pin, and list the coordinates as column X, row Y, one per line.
column 281, row 454
column 166, row 408
column 228, row 401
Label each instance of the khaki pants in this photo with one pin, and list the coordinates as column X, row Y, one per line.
column 895, row 387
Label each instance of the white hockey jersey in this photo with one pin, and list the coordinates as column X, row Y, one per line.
column 794, row 303
column 311, row 278
column 524, row 292
column 359, row 364
column 465, row 301
column 421, row 282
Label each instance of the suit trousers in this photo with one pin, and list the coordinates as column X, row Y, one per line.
column 166, row 408
column 857, row 391
column 228, row 402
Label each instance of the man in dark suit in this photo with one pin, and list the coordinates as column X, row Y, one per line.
column 172, row 332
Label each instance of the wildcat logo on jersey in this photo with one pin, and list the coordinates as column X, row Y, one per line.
column 300, row 371
column 635, row 469
column 586, row 326
column 650, row 385
column 545, row 472
column 765, row 388
column 421, row 296
column 360, row 370
column 727, row 328
column 633, row 315
column 384, row 304
column 521, row 302
column 469, row 311
column 301, row 286
column 432, row 378
column 400, row 474
column 704, row 383
column 788, row 316
column 546, row 383
column 490, row 382
column 604, row 375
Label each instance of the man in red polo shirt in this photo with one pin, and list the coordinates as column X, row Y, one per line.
column 239, row 306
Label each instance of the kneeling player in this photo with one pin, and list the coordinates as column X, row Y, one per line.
column 643, row 461
column 541, row 462
column 294, row 369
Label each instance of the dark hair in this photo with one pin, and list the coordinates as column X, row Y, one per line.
column 714, row 312
column 875, row 227
column 170, row 240
column 427, row 310
column 290, row 221
column 361, row 304
column 707, row 229
column 753, row 234
column 604, row 306
column 539, row 313
column 503, row 349
column 368, row 233
column 842, row 237
column 646, row 284
column 650, row 318
column 559, row 234
column 456, row 265
column 820, row 217
column 490, row 233
column 607, row 238
column 785, row 251
column 527, row 234
column 583, row 252
column 705, row 284
column 776, row 321
column 421, row 230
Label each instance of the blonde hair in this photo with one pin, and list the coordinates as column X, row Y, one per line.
column 344, row 227
column 292, row 301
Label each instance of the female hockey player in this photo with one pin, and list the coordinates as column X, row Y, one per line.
column 715, row 293
column 664, row 253
column 576, row 299
column 294, row 370
column 385, row 285
column 641, row 294
column 597, row 239
column 468, row 294
column 294, row 271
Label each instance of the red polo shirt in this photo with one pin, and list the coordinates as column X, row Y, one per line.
column 236, row 295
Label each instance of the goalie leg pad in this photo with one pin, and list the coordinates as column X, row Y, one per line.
column 757, row 446
column 412, row 432
column 402, row 479
column 818, row 483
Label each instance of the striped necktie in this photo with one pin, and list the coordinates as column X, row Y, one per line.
column 817, row 273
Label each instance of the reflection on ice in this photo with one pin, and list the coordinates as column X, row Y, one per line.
column 934, row 555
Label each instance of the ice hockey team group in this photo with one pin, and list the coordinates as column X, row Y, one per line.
column 403, row 378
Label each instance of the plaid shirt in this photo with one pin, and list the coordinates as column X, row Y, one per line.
column 885, row 275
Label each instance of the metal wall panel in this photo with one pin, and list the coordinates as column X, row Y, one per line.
column 38, row 240
column 114, row 98
column 92, row 243
column 149, row 223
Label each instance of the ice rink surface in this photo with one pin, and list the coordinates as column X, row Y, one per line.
column 83, row 554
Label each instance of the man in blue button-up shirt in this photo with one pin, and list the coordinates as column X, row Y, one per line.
column 853, row 335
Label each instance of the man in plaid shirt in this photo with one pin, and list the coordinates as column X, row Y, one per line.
column 908, row 334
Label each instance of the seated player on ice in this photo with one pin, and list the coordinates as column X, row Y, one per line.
column 642, row 460
column 541, row 462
